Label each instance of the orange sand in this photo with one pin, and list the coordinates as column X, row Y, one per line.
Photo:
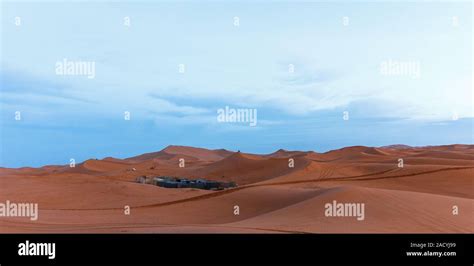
column 272, row 196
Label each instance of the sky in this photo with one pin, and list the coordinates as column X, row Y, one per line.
column 320, row 75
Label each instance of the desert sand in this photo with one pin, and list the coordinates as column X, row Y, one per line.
column 272, row 197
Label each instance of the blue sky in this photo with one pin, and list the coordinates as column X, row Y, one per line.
column 336, row 69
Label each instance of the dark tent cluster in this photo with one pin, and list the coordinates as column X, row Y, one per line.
column 178, row 182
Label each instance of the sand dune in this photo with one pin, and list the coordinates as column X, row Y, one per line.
column 191, row 152
column 246, row 169
column 387, row 210
column 272, row 196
